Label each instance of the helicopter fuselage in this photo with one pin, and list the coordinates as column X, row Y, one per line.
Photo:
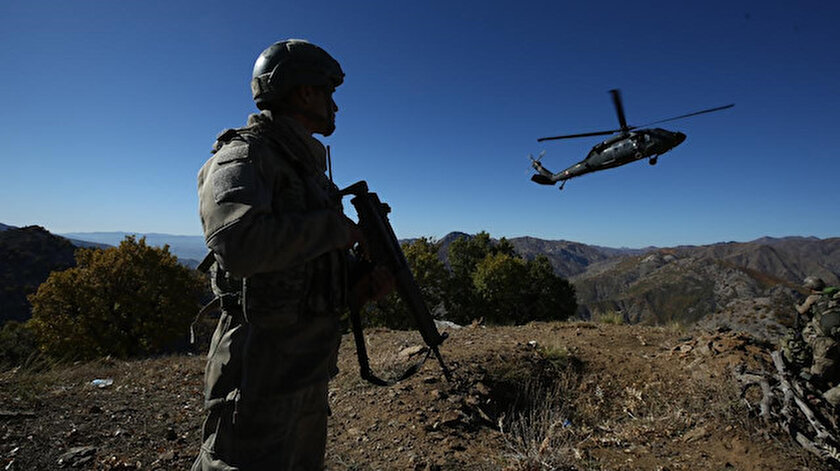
column 626, row 144
column 616, row 151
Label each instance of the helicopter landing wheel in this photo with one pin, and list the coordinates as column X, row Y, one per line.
column 652, row 161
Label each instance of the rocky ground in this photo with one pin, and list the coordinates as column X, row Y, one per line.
column 568, row 396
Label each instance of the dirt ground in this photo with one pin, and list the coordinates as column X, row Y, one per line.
column 566, row 396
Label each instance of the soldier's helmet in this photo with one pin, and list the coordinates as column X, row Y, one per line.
column 814, row 283
column 286, row 64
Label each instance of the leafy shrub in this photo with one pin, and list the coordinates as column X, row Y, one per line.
column 611, row 317
column 462, row 301
column 485, row 280
column 430, row 275
column 17, row 344
column 123, row 301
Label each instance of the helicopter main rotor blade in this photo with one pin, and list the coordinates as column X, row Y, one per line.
column 586, row 134
column 619, row 108
column 689, row 114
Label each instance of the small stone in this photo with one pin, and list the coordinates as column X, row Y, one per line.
column 450, row 418
column 482, row 389
column 77, row 456
column 411, row 351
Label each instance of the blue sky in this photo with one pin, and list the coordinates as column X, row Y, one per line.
column 109, row 108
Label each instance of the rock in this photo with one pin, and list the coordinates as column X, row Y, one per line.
column 411, row 351
column 695, row 434
column 446, row 325
column 77, row 456
column 450, row 418
column 482, row 389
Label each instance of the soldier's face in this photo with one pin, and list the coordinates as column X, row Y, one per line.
column 324, row 110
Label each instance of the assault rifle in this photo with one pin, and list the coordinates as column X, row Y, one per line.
column 383, row 249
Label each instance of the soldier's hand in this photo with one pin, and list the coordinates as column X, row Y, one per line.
column 371, row 287
column 356, row 234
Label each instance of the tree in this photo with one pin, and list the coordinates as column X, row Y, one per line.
column 463, row 303
column 124, row 301
column 501, row 281
column 516, row 291
column 430, row 275
column 553, row 298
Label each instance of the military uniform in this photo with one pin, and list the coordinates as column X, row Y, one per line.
column 276, row 226
column 821, row 334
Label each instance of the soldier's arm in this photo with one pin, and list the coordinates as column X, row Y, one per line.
column 806, row 305
column 244, row 233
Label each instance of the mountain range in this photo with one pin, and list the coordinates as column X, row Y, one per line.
column 189, row 249
column 746, row 285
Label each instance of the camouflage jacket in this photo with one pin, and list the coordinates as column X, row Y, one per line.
column 274, row 221
column 824, row 312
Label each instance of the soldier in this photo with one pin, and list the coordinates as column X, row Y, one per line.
column 821, row 333
column 276, row 227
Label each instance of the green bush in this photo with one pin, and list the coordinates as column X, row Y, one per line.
column 462, row 301
column 485, row 280
column 430, row 275
column 123, row 301
column 17, row 344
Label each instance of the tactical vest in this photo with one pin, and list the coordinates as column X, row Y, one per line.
column 827, row 315
column 278, row 298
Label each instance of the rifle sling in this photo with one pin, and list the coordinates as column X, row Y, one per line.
column 364, row 363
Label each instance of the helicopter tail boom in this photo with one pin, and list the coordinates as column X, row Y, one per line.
column 542, row 179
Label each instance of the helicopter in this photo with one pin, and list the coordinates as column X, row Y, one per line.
column 629, row 144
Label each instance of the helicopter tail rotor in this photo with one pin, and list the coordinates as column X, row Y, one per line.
column 535, row 162
column 543, row 175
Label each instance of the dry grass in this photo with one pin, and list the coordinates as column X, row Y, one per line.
column 610, row 317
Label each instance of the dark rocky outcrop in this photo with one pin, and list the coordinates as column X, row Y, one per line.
column 27, row 256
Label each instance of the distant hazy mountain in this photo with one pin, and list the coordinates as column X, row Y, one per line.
column 189, row 249
column 3, row 227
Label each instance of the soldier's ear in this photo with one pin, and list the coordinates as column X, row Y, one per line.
column 296, row 97
column 306, row 94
